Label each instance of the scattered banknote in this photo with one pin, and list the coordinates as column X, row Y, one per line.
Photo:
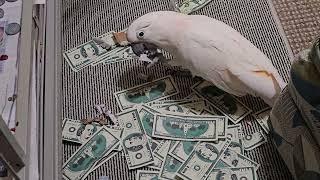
column 184, row 107
column 242, row 173
column 101, row 49
column 203, row 158
column 147, row 175
column 227, row 103
column 169, row 168
column 235, row 133
column 80, row 163
column 190, row 128
column 75, row 131
column 262, row 118
column 155, row 90
column 233, row 159
column 134, row 141
column 157, row 163
column 251, row 141
column 182, row 149
column 189, row 6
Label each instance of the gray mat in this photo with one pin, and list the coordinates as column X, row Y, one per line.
column 83, row 19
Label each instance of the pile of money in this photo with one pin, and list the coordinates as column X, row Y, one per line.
column 102, row 49
column 198, row 137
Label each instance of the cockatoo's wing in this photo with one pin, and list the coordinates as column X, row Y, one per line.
column 230, row 61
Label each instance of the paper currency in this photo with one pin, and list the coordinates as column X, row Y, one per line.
column 75, row 131
column 262, row 118
column 189, row 6
column 169, row 168
column 233, row 159
column 147, row 175
column 147, row 119
column 84, row 55
column 134, row 141
column 242, row 173
column 155, row 90
column 202, row 160
column 222, row 124
column 182, row 149
column 227, row 103
column 190, row 128
column 251, row 141
column 100, row 144
column 235, row 133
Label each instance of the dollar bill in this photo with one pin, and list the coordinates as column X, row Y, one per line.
column 75, row 131
column 221, row 123
column 182, row 149
column 100, row 144
column 169, row 168
column 120, row 54
column 134, row 141
column 84, row 55
column 251, row 141
column 147, row 175
column 235, row 133
column 262, row 118
column 155, row 90
column 192, row 96
column 147, row 119
column 233, row 159
column 241, row 173
column 189, row 6
column 202, row 159
column 226, row 103
column 103, row 160
column 189, row 128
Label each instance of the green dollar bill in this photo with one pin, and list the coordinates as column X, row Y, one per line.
column 202, row 160
column 189, row 6
column 192, row 96
column 134, row 141
column 189, row 128
column 235, row 133
column 147, row 119
column 241, row 173
column 100, row 144
column 84, row 55
column 155, row 90
column 182, row 149
column 262, row 118
column 120, row 54
column 221, row 123
column 233, row 159
column 75, row 131
column 228, row 104
column 169, row 168
column 147, row 175
column 254, row 140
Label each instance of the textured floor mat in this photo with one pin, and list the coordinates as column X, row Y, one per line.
column 83, row 19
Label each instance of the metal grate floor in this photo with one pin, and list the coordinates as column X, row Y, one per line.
column 83, row 19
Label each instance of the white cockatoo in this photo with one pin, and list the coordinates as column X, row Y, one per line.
column 212, row 50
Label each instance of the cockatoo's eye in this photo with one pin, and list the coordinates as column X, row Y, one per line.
column 141, row 34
